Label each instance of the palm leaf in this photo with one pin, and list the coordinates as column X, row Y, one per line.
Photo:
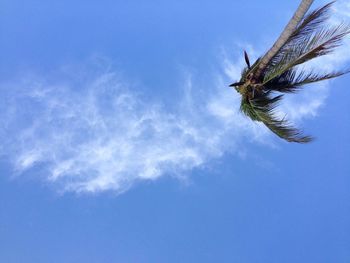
column 312, row 22
column 312, row 77
column 319, row 44
column 291, row 81
column 262, row 109
column 312, row 38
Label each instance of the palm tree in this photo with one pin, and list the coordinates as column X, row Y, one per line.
column 262, row 84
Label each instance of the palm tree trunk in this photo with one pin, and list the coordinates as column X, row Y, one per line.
column 287, row 32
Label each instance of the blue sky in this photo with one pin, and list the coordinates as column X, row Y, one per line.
column 121, row 142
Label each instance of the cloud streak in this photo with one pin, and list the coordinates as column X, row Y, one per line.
column 94, row 134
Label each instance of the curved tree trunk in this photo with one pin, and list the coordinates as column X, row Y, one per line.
column 287, row 32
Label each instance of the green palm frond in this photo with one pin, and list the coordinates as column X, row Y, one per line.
column 262, row 109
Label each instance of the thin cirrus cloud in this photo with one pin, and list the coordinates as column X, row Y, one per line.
column 102, row 136
column 91, row 133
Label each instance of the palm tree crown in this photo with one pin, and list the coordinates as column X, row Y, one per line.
column 262, row 84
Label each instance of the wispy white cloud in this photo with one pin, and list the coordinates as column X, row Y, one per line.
column 342, row 11
column 91, row 133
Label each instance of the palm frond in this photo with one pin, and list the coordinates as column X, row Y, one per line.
column 312, row 38
column 291, row 81
column 311, row 77
column 319, row 44
column 311, row 23
column 262, row 109
column 283, row 83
